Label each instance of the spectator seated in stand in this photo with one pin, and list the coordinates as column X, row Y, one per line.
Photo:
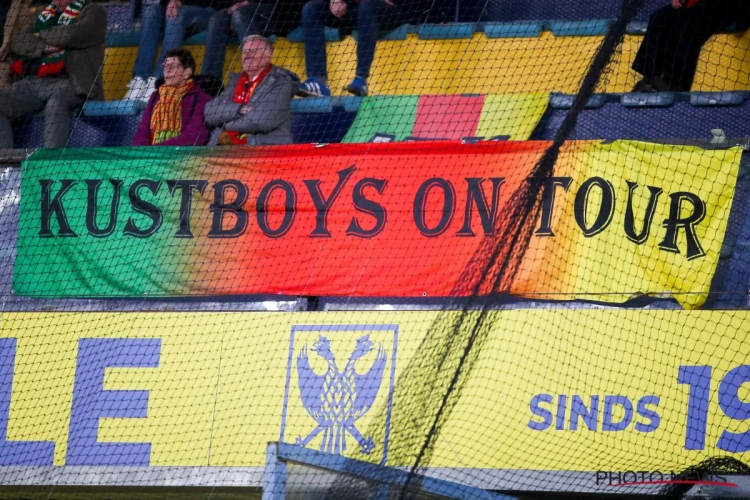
column 18, row 16
column 370, row 17
column 669, row 53
column 174, row 115
column 255, row 108
column 176, row 17
column 264, row 17
column 60, row 57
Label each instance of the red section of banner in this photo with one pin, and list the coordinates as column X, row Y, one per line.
column 357, row 220
column 448, row 116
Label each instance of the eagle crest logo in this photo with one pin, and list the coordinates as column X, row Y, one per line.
column 339, row 397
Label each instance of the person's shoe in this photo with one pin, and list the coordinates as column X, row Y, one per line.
column 150, row 89
column 312, row 87
column 136, row 89
column 358, row 87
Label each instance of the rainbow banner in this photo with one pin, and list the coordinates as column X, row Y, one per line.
column 142, row 390
column 369, row 220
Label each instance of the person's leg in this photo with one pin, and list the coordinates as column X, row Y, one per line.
column 61, row 99
column 692, row 29
column 174, row 31
column 251, row 19
column 314, row 14
column 216, row 44
column 153, row 19
column 278, row 18
column 371, row 15
column 20, row 100
column 650, row 57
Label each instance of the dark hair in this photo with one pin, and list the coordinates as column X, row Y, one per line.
column 182, row 55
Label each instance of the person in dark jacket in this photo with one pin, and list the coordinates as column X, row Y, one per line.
column 668, row 55
column 370, row 17
column 176, row 16
column 59, row 61
column 174, row 115
column 255, row 108
column 245, row 18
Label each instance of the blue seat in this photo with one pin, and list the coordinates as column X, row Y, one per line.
column 312, row 105
column 28, row 133
column 448, row 31
column 565, row 101
column 86, row 131
column 396, row 34
column 681, row 120
column 587, row 27
column 323, row 128
column 104, row 131
column 119, row 18
column 113, row 108
column 297, row 35
column 123, row 39
column 349, row 103
column 717, row 98
column 650, row 99
column 515, row 29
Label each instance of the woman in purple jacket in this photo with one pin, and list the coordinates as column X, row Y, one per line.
column 174, row 114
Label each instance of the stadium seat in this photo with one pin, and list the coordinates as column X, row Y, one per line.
column 588, row 27
column 297, row 35
column 104, row 131
column 652, row 121
column 565, row 101
column 312, row 105
column 448, row 31
column 118, row 18
column 396, row 34
column 717, row 98
column 649, row 99
column 113, row 108
column 515, row 29
column 321, row 128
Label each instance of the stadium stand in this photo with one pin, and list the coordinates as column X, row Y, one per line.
column 544, row 56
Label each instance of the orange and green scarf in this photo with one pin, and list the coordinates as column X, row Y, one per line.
column 51, row 64
column 166, row 119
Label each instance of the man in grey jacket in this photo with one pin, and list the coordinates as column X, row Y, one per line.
column 255, row 108
column 61, row 56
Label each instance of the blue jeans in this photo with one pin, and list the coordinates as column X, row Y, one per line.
column 368, row 16
column 251, row 19
column 174, row 34
column 218, row 35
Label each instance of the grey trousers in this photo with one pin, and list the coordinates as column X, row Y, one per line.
column 53, row 95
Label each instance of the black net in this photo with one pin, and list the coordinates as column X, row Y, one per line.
column 432, row 249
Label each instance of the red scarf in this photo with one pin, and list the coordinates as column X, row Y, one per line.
column 243, row 91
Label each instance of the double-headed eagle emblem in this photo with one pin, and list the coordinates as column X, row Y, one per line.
column 338, row 398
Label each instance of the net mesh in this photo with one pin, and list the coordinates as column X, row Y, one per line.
column 497, row 244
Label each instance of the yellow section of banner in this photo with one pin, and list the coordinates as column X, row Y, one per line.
column 551, row 389
column 606, row 244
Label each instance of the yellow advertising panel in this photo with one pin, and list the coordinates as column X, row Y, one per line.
column 574, row 390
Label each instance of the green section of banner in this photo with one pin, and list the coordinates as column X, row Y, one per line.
column 388, row 115
column 137, row 263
